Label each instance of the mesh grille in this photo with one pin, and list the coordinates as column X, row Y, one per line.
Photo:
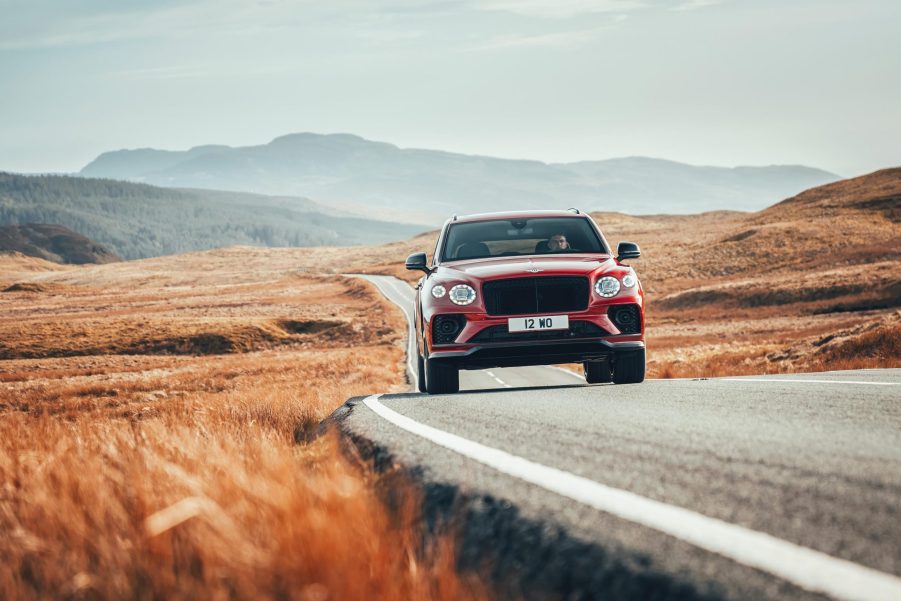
column 523, row 296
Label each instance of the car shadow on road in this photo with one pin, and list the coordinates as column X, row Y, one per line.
column 491, row 391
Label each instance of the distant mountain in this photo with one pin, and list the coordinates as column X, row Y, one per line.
column 426, row 186
column 139, row 220
column 53, row 243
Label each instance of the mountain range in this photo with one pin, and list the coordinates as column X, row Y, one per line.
column 348, row 172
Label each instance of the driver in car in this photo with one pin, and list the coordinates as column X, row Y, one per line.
column 557, row 243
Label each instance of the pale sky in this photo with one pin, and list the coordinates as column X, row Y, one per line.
column 716, row 82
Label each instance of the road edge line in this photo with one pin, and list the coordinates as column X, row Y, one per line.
column 809, row 569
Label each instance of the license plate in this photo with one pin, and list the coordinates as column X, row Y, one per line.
column 545, row 322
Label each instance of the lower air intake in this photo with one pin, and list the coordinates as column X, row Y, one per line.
column 626, row 318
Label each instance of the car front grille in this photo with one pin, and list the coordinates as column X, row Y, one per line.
column 577, row 329
column 523, row 296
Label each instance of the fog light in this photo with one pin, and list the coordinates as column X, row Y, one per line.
column 445, row 328
column 626, row 318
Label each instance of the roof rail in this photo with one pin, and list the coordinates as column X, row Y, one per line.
column 574, row 210
column 455, row 217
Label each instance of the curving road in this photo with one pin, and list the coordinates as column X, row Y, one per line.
column 776, row 487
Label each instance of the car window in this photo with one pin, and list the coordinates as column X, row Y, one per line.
column 506, row 237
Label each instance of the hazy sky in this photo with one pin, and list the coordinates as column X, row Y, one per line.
column 721, row 82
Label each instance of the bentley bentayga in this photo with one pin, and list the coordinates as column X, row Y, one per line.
column 529, row 288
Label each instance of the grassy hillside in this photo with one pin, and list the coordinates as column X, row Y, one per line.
column 168, row 473
column 53, row 243
column 137, row 220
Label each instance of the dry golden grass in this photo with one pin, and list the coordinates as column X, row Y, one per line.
column 184, row 472
column 205, row 501
column 298, row 311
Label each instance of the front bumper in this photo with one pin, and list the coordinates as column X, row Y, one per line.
column 518, row 354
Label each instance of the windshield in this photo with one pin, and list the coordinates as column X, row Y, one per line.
column 506, row 237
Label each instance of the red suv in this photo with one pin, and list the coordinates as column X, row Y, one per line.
column 530, row 288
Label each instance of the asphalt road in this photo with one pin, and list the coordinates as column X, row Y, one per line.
column 774, row 487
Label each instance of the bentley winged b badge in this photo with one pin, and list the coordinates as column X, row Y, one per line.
column 532, row 269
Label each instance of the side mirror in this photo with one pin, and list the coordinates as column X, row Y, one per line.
column 417, row 261
column 627, row 250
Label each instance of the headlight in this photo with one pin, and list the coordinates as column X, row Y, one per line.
column 462, row 294
column 607, row 286
column 629, row 280
column 438, row 291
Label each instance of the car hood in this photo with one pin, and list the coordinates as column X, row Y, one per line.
column 500, row 267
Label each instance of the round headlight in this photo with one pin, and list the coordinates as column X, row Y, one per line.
column 607, row 286
column 462, row 294
column 438, row 291
column 629, row 280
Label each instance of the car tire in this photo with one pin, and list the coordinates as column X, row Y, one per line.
column 597, row 372
column 441, row 378
column 628, row 368
column 420, row 373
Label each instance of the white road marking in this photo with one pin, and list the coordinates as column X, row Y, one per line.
column 805, row 381
column 411, row 337
column 567, row 372
column 499, row 381
column 809, row 569
column 794, row 380
column 491, row 374
column 411, row 330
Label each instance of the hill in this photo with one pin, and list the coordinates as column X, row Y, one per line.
column 53, row 243
column 15, row 267
column 811, row 283
column 427, row 186
column 138, row 220
column 878, row 192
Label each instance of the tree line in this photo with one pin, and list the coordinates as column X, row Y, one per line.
column 138, row 220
